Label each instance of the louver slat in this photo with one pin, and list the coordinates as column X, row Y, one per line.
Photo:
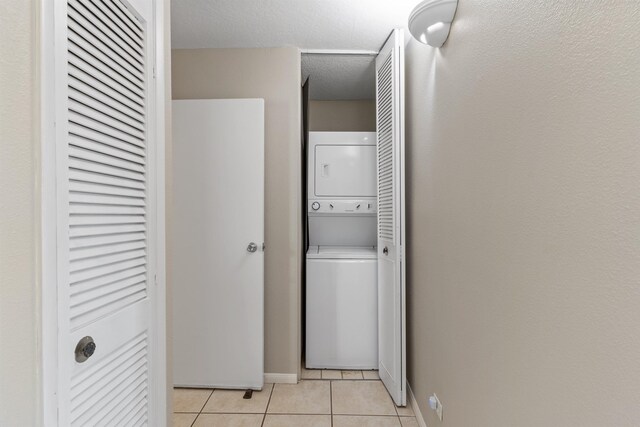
column 101, row 221
column 124, row 31
column 106, row 147
column 87, row 165
column 90, row 136
column 385, row 151
column 90, row 48
column 92, row 284
column 95, row 100
column 107, row 158
column 85, row 15
column 80, row 68
column 87, row 187
column 104, row 116
column 136, row 402
column 110, row 131
column 91, row 177
column 122, row 95
column 105, row 270
column 107, row 201
column 104, row 388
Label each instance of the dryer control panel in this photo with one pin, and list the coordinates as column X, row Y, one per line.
column 342, row 207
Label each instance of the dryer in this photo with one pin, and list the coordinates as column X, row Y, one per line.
column 342, row 294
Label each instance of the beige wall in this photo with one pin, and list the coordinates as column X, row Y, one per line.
column 272, row 74
column 19, row 332
column 336, row 116
column 523, row 150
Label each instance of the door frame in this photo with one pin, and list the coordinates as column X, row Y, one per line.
column 46, row 208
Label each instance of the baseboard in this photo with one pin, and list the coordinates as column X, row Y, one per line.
column 415, row 407
column 281, row 378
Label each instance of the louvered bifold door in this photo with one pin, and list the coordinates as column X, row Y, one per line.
column 391, row 239
column 106, row 210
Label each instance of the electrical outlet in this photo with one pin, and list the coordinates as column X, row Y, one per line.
column 436, row 405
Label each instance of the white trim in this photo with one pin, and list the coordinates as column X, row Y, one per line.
column 348, row 52
column 270, row 378
column 403, row 205
column 160, row 310
column 414, row 405
column 48, row 218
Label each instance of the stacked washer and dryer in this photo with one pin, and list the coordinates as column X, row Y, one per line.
column 341, row 291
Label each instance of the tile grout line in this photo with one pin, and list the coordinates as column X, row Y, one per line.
column 306, row 414
column 355, row 414
column 331, row 402
column 370, row 416
column 201, row 409
column 266, row 408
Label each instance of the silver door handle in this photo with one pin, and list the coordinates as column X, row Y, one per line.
column 85, row 349
column 385, row 250
column 252, row 247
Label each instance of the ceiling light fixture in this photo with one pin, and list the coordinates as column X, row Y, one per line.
column 430, row 21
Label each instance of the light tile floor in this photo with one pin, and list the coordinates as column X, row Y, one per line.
column 322, row 398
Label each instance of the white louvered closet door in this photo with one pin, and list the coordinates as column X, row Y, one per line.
column 106, row 211
column 391, row 222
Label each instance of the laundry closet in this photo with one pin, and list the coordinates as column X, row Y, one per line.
column 353, row 285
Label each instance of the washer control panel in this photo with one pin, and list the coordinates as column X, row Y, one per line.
column 343, row 206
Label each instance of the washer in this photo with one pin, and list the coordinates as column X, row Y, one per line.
column 342, row 307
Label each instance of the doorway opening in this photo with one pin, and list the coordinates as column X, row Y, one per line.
column 353, row 284
column 338, row 97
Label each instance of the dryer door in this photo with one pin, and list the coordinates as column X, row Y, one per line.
column 345, row 171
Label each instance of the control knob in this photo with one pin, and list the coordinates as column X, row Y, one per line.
column 315, row 206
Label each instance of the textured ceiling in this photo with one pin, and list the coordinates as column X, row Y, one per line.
column 339, row 77
column 307, row 24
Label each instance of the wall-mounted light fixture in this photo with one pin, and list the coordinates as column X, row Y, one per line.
column 430, row 21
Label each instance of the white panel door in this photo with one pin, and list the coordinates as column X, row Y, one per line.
column 217, row 262
column 106, row 214
column 391, row 221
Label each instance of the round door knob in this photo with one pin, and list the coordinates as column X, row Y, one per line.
column 85, row 349
column 252, row 247
column 315, row 206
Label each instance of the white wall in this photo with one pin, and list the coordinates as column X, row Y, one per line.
column 524, row 215
column 19, row 313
